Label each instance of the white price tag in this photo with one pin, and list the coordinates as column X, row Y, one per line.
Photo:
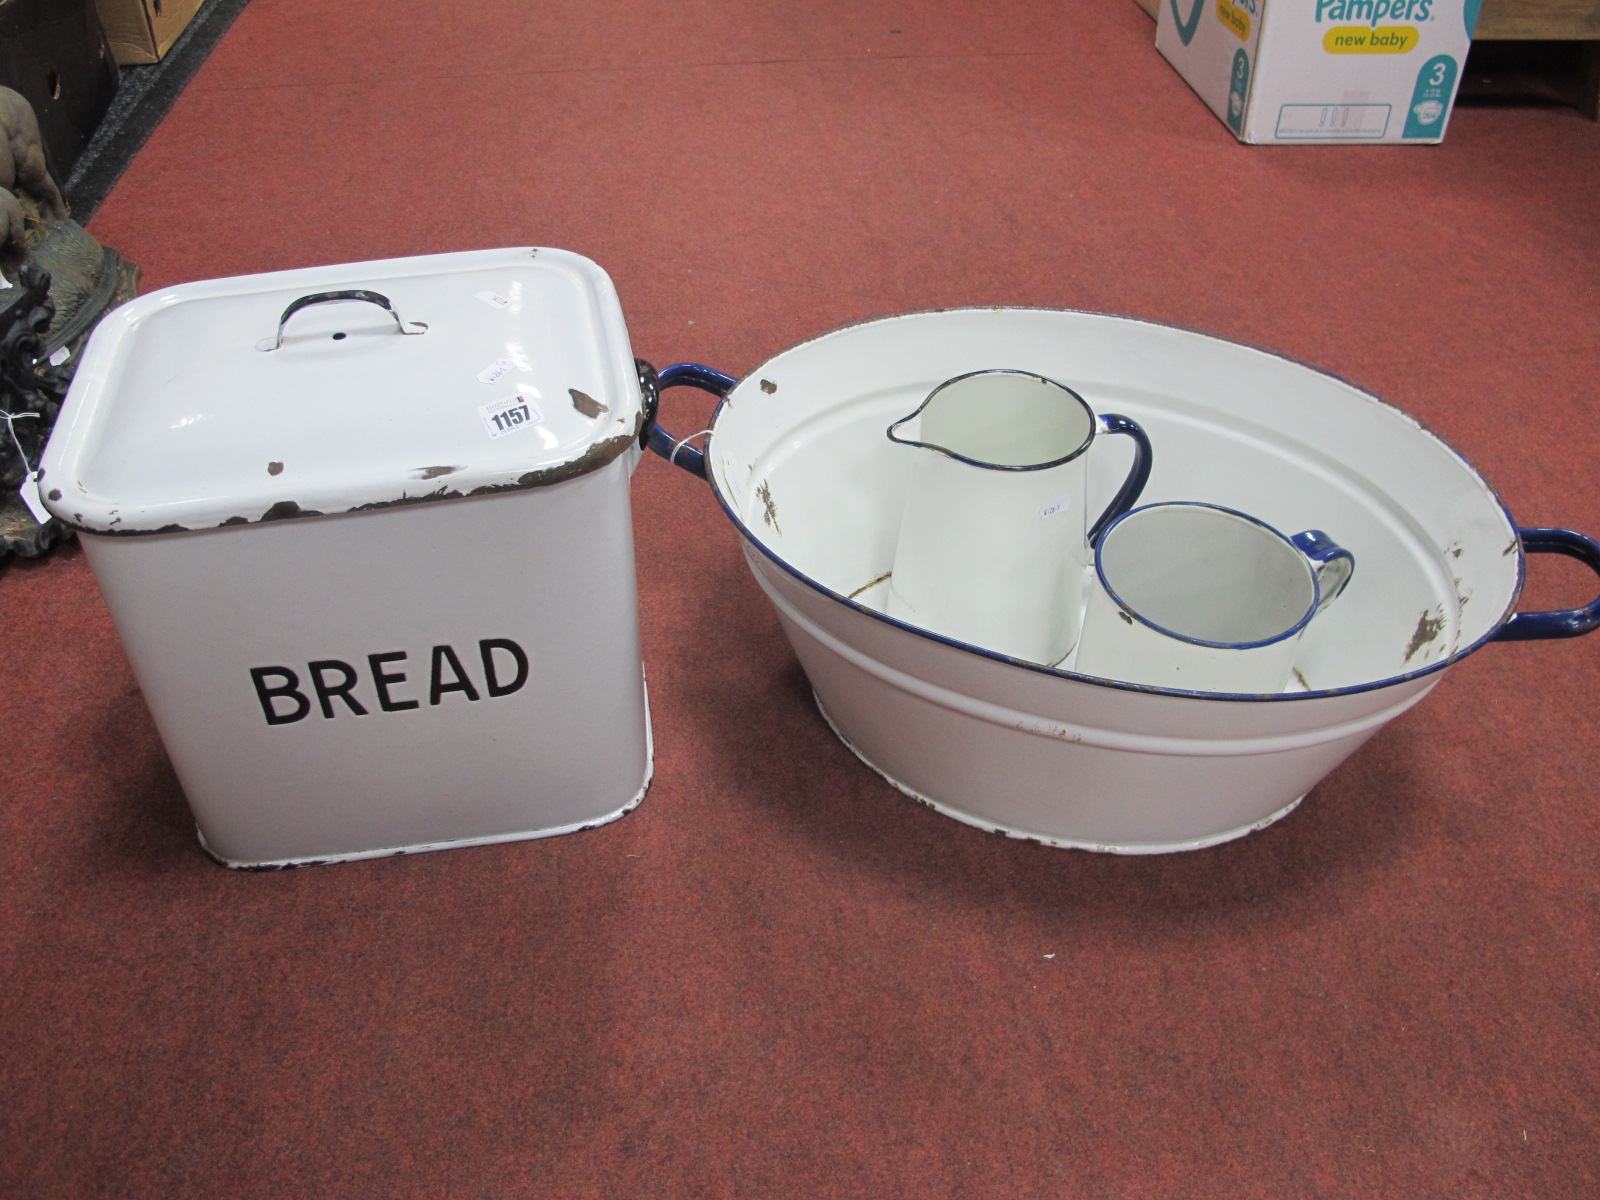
column 29, row 491
column 497, row 370
column 1055, row 507
column 509, row 415
column 494, row 299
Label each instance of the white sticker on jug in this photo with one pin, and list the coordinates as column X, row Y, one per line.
column 509, row 415
column 497, row 370
column 494, row 299
column 1051, row 508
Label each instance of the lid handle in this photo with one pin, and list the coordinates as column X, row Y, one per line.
column 361, row 294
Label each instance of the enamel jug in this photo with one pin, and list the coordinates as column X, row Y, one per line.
column 994, row 541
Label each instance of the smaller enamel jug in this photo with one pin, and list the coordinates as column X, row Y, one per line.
column 994, row 543
column 1205, row 599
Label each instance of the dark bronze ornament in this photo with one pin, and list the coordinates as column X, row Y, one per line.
column 31, row 392
column 62, row 282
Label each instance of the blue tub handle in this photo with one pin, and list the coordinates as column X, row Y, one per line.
column 676, row 450
column 1563, row 623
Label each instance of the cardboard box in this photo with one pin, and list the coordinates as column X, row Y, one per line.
column 1322, row 70
column 54, row 55
column 141, row 31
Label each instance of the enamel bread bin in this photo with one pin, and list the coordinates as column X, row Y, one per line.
column 365, row 533
column 798, row 459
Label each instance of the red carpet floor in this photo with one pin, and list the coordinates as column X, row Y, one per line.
column 779, row 977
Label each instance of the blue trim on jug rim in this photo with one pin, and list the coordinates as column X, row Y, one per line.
column 1094, row 424
column 1133, row 614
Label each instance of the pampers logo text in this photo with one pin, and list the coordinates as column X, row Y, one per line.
column 1373, row 11
column 1372, row 38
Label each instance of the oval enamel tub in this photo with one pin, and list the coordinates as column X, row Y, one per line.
column 799, row 459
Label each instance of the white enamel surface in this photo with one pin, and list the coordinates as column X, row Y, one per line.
column 549, row 568
column 1170, row 574
column 799, row 456
column 178, row 417
column 976, row 561
column 989, row 826
column 1061, row 760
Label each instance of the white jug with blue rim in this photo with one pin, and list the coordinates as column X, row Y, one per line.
column 1202, row 598
column 994, row 543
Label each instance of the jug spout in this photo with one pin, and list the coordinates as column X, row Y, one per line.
column 1000, row 421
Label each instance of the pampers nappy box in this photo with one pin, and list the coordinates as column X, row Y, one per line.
column 1322, row 70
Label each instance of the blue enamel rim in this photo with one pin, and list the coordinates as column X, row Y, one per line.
column 1124, row 606
column 978, row 462
column 722, row 386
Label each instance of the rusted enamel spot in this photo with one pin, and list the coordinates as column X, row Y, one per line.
column 586, row 404
column 55, row 493
column 274, row 468
column 867, row 587
column 1429, row 626
column 435, row 472
column 769, row 509
column 597, row 456
column 285, row 510
column 768, row 386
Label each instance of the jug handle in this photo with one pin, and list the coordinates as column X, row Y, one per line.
column 1138, row 475
column 676, row 450
column 1562, row 623
column 1332, row 562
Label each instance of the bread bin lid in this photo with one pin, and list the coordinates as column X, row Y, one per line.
column 341, row 388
